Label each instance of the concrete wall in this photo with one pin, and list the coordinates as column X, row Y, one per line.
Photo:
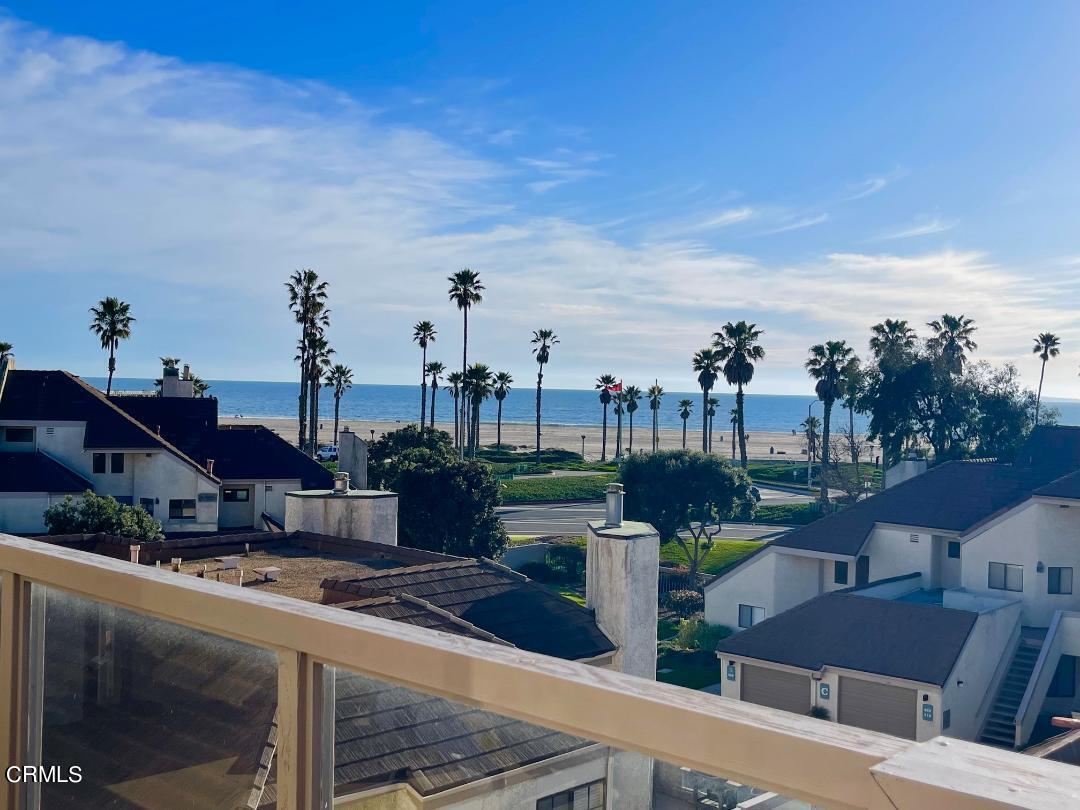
column 268, row 495
column 754, row 583
column 517, row 556
column 903, row 470
column 22, row 512
column 353, row 458
column 360, row 515
column 893, row 553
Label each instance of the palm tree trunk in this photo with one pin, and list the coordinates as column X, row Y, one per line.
column 603, row 435
column 337, row 415
column 704, row 420
column 464, row 368
column 618, row 434
column 475, row 425
column 827, row 417
column 742, row 430
column 434, row 389
column 631, row 449
column 734, row 425
column 1038, row 397
column 684, row 433
column 112, row 368
column 498, row 427
column 455, row 419
column 851, row 436
column 313, row 408
column 423, row 387
column 539, row 386
column 302, row 416
column 712, row 420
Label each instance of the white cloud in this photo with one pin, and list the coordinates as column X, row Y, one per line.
column 796, row 224
column 702, row 224
column 872, row 185
column 924, row 228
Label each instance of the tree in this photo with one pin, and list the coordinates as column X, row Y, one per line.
column 319, row 353
column 631, row 396
column 672, row 488
column 503, row 381
column 826, row 364
column 713, row 403
column 1046, row 346
column 111, row 323
column 446, row 504
column 951, row 340
column 199, row 386
column 5, row 350
column 465, row 291
column 169, row 362
column 340, row 378
column 891, row 340
column 456, row 380
column 307, row 302
column 738, row 347
column 734, row 414
column 542, row 341
column 853, row 384
column 812, row 430
column 95, row 513
column 656, row 394
column 706, row 363
column 435, row 369
column 685, row 407
column 477, row 388
column 604, row 384
column 620, row 402
column 423, row 334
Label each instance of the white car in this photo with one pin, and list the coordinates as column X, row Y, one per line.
column 327, row 453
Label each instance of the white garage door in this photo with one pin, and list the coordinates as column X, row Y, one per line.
column 878, row 707
column 776, row 688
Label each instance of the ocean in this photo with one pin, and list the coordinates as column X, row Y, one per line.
column 389, row 403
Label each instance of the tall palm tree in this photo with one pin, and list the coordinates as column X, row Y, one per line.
column 435, row 369
column 656, row 393
column 891, row 339
column 319, row 353
column 685, row 406
column 199, row 387
column 465, row 291
column 734, row 414
column 738, row 346
column 620, row 401
column 632, row 396
column 1046, row 346
column 423, row 334
column 503, row 381
column 307, row 302
column 340, row 378
column 542, row 341
column 706, row 363
column 952, row 340
column 812, row 428
column 456, row 379
column 826, row 364
column 478, row 387
column 5, row 350
column 112, row 323
column 713, row 402
column 604, row 384
column 853, row 384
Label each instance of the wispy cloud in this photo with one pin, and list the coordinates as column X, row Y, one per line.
column 872, row 185
column 701, row 224
column 796, row 224
column 924, row 228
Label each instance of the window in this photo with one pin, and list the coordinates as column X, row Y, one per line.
column 1006, row 577
column 148, row 505
column 586, row 797
column 235, row 495
column 18, row 435
column 1064, row 682
column 181, row 509
column 99, row 463
column 1058, row 580
column 117, row 463
column 749, row 615
column 954, row 550
column 840, row 572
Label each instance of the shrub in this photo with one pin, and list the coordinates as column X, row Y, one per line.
column 820, row 712
column 95, row 513
column 684, row 603
column 538, row 571
column 567, row 562
column 698, row 634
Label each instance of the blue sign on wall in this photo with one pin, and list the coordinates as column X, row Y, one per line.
column 731, row 672
column 823, row 691
column 928, row 711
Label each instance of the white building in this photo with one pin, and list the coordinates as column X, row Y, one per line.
column 60, row 436
column 997, row 541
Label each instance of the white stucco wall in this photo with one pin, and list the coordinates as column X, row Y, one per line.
column 364, row 514
column 751, row 584
column 22, row 512
column 892, row 553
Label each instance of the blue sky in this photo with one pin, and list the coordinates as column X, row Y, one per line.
column 632, row 175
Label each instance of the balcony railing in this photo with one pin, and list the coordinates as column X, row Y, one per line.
column 263, row 661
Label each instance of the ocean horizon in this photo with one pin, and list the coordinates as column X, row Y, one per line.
column 390, row 403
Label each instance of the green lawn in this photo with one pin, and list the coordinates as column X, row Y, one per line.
column 787, row 514
column 722, row 554
column 568, row 488
column 793, row 473
column 693, row 670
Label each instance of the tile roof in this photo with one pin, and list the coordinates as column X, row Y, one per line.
column 495, row 599
column 410, row 610
column 909, row 640
column 36, row 472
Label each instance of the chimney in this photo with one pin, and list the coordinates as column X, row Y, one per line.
column 341, row 483
column 133, row 551
column 210, row 466
column 352, row 458
column 187, row 372
column 613, row 513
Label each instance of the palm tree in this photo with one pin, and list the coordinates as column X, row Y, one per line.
column 713, row 402
column 456, row 379
column 199, row 387
column 656, row 393
column 307, row 302
column 435, row 369
column 891, row 339
column 952, row 340
column 5, row 350
column 853, row 390
column 542, row 340
column 112, row 323
column 339, row 377
column 826, row 364
column 685, row 406
column 738, row 346
column 811, row 427
column 478, row 387
column 423, row 334
column 620, row 400
column 632, row 396
column 706, row 363
column 734, row 414
column 604, row 384
column 502, row 388
column 1046, row 346
column 319, row 352
column 169, row 362
column 465, row 291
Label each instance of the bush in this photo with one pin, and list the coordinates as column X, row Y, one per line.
column 684, row 603
column 698, row 634
column 538, row 571
column 95, row 513
column 567, row 562
column 820, row 712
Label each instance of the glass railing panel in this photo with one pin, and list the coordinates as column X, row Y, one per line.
column 136, row 712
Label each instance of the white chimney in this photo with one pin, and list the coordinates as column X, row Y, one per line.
column 613, row 512
column 358, row 514
column 341, row 483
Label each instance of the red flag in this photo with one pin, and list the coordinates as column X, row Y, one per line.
column 616, row 388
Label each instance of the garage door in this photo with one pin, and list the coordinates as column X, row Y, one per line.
column 776, row 688
column 878, row 707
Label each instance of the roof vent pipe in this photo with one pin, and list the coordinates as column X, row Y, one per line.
column 341, row 483
column 613, row 515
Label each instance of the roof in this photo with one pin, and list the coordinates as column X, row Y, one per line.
column 57, row 396
column 495, row 599
column 1067, row 486
column 908, row 640
column 410, row 610
column 36, row 472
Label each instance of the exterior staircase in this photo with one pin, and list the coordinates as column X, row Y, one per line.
column 1000, row 727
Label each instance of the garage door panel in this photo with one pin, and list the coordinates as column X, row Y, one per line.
column 776, row 688
column 878, row 707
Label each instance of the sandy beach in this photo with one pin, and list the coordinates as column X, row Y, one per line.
column 761, row 445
